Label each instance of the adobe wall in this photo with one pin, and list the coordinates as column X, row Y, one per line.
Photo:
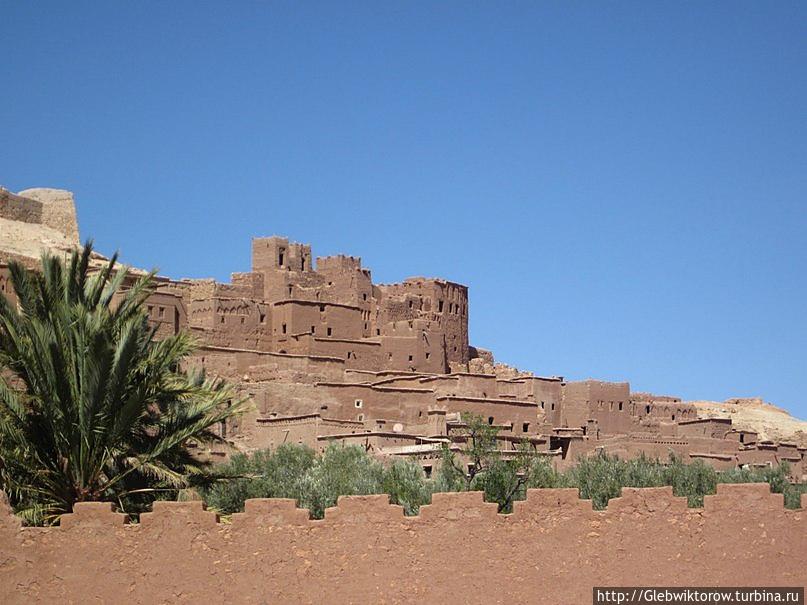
column 553, row 549
column 58, row 210
column 18, row 208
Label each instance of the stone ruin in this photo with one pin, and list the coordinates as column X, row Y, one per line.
column 327, row 356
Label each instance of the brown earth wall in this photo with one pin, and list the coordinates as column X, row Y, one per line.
column 553, row 549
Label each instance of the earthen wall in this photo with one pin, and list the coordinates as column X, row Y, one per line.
column 550, row 550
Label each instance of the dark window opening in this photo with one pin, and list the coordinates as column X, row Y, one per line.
column 313, row 329
column 290, row 289
column 440, row 306
column 330, row 331
column 280, row 258
column 673, row 416
column 410, row 358
column 620, row 406
column 222, row 319
column 428, row 355
column 742, row 438
column 647, row 409
column 161, row 312
column 364, row 296
column 263, row 318
column 284, row 328
column 525, row 428
column 490, row 419
column 553, row 406
column 378, row 331
column 322, row 308
column 428, row 471
column 243, row 320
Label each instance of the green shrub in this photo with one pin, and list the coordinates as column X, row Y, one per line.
column 264, row 474
column 316, row 481
column 404, row 482
column 340, row 471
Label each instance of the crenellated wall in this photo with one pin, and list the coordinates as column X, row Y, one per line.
column 552, row 549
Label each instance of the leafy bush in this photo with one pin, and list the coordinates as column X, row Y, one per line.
column 261, row 475
column 316, row 481
column 404, row 482
column 340, row 471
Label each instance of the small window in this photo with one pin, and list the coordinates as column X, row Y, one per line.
column 290, row 289
column 525, row 428
column 150, row 309
column 427, row 470
column 262, row 318
column 283, row 328
column 161, row 312
column 313, row 329
column 553, row 406
column 542, row 405
column 428, row 355
column 243, row 320
column 280, row 257
column 358, row 403
column 673, row 416
column 330, row 332
column 364, row 296
column 411, row 358
column 222, row 319
column 322, row 308
column 647, row 409
column 378, row 331
column 389, row 355
column 360, row 417
column 439, row 306
column 490, row 420
column 742, row 438
column 620, row 406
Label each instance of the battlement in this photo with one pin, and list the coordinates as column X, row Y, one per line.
column 338, row 263
column 366, row 549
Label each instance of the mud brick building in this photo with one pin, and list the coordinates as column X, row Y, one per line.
column 327, row 356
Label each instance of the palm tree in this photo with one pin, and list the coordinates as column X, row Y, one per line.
column 92, row 406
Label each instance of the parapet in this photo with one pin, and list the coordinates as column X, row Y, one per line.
column 457, row 550
column 338, row 263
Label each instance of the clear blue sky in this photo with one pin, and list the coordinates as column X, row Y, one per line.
column 622, row 185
